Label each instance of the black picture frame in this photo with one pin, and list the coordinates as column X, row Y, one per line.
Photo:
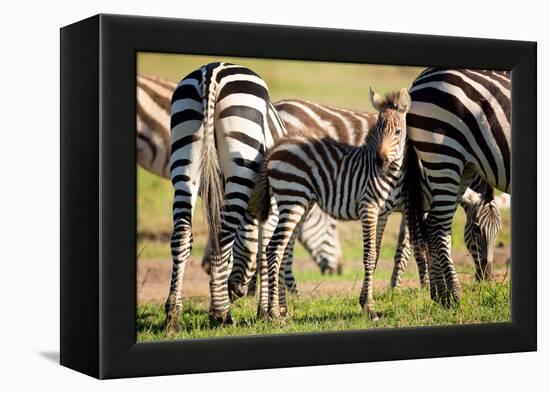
column 98, row 194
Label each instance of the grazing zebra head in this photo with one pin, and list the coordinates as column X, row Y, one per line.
column 481, row 229
column 388, row 135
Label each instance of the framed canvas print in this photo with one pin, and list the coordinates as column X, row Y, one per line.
column 270, row 196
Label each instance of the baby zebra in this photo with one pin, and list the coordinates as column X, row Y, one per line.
column 347, row 182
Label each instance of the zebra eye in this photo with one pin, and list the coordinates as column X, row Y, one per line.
column 398, row 131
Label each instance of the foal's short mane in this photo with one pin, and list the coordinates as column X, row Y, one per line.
column 392, row 100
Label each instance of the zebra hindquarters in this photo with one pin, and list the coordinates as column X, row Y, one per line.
column 369, row 219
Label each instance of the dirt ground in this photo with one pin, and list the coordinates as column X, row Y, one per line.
column 153, row 277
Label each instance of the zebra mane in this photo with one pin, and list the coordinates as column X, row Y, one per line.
column 392, row 100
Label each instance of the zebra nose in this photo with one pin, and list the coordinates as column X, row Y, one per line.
column 381, row 160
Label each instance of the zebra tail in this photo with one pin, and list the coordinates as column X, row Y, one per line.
column 260, row 201
column 413, row 199
column 211, row 186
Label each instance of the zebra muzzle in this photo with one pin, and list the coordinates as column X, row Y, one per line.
column 382, row 162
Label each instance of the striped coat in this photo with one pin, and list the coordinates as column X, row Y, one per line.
column 459, row 125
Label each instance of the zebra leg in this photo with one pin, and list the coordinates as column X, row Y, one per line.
column 266, row 232
column 447, row 286
column 244, row 256
column 369, row 218
column 402, row 254
column 380, row 227
column 286, row 277
column 233, row 214
column 289, row 216
column 422, row 264
column 181, row 244
column 185, row 176
column 206, row 262
column 251, row 290
column 289, row 280
column 263, row 302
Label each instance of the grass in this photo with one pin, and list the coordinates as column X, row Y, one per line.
column 481, row 303
column 326, row 83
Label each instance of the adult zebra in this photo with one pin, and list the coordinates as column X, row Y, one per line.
column 318, row 234
column 219, row 130
column 459, row 125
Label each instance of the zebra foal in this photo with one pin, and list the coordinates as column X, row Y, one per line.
column 347, row 182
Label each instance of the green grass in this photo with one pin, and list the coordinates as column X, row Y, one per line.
column 481, row 303
column 349, row 274
column 339, row 84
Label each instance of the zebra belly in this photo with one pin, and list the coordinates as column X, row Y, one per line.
column 341, row 211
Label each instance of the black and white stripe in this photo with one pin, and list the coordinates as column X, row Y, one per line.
column 459, row 125
column 347, row 182
column 482, row 225
column 319, row 234
column 153, row 96
column 480, row 231
column 219, row 127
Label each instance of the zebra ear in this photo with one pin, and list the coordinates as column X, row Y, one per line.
column 377, row 101
column 404, row 102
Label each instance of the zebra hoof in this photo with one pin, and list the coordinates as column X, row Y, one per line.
column 373, row 316
column 293, row 291
column 284, row 312
column 251, row 292
column 275, row 314
column 173, row 326
column 220, row 319
column 236, row 291
column 261, row 313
